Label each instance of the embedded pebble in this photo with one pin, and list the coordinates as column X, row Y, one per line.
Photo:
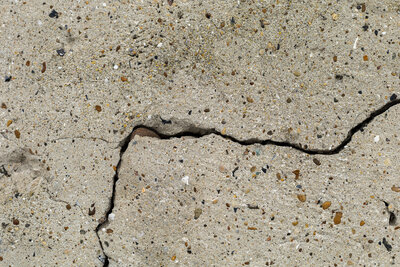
column 185, row 179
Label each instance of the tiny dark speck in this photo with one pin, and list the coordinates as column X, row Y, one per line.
column 392, row 218
column 165, row 121
column 53, row 14
column 365, row 27
column 338, row 77
column 233, row 172
column 7, row 79
column 387, row 245
column 60, row 52
column 393, row 97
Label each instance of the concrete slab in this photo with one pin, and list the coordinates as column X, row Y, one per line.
column 212, row 202
column 303, row 73
column 77, row 78
column 37, row 228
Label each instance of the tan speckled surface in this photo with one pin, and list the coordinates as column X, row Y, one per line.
column 77, row 77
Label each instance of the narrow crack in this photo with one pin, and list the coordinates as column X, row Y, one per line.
column 124, row 145
column 201, row 132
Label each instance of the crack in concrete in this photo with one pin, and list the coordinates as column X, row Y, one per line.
column 104, row 221
column 80, row 137
column 200, row 132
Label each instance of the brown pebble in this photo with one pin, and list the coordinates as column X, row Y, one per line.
column 316, row 161
column 365, row 58
column 9, row 122
column 98, row 108
column 173, row 257
column 251, row 228
column 1, row 258
column 207, row 110
column 144, row 132
column 15, row 222
column 395, row 188
column 3, row 105
column 124, row 79
column 109, row 231
column 28, row 63
column 222, row 168
column 170, row 2
column 17, row 134
column 249, row 99
column 208, row 15
column 362, row 223
column 43, row 67
column 68, row 206
column 296, row 173
column 338, row 217
column 289, row 100
column 363, row 7
column 302, row 198
column 253, row 169
column 326, row 205
column 334, row 58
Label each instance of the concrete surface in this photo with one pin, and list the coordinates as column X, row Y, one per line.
column 212, row 202
column 77, row 77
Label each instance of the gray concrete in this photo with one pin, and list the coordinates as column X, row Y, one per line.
column 178, row 203
column 77, row 77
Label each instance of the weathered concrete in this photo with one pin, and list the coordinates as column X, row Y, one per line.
column 78, row 77
column 39, row 226
column 208, row 201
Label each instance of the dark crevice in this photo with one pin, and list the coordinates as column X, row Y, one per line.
column 124, row 145
column 201, row 132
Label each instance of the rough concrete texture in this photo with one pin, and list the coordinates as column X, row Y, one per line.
column 277, row 78
column 212, row 202
column 39, row 227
